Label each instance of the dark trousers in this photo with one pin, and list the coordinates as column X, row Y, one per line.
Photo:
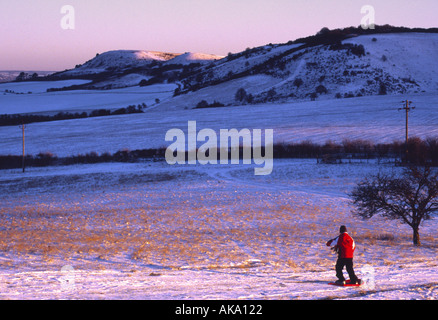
column 348, row 263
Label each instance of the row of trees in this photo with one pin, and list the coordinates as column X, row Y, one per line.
column 421, row 152
column 25, row 76
column 204, row 104
column 45, row 159
column 17, row 119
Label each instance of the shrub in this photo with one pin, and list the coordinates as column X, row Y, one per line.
column 240, row 95
column 298, row 82
column 321, row 89
column 243, row 97
column 358, row 50
column 202, row 104
column 271, row 94
column 205, row 104
column 44, row 159
column 382, row 88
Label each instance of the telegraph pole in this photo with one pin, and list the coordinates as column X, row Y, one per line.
column 22, row 127
column 407, row 107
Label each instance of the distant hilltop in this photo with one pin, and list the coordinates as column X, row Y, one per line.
column 131, row 59
column 11, row 75
column 340, row 63
column 137, row 58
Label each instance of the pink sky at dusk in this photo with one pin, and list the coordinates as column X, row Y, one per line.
column 31, row 37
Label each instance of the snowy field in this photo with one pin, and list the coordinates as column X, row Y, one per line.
column 371, row 118
column 31, row 97
column 154, row 231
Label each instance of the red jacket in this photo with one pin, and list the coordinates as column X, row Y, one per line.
column 345, row 246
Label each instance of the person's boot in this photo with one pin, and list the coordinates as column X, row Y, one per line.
column 356, row 281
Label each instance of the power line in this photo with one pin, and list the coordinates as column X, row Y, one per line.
column 22, row 127
column 407, row 107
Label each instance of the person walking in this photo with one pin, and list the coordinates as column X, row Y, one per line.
column 345, row 247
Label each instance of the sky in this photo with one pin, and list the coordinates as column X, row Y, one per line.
column 38, row 35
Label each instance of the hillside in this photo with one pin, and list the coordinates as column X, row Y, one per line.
column 341, row 63
column 126, row 68
column 193, row 57
column 119, row 59
column 365, row 65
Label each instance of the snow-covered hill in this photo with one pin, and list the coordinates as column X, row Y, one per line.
column 358, row 66
column 194, row 57
column 125, row 60
column 350, row 66
column 126, row 68
column 118, row 59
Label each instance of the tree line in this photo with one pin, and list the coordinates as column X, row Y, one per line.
column 420, row 152
column 417, row 151
column 17, row 119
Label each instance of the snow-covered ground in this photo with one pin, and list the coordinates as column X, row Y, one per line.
column 194, row 57
column 371, row 118
column 155, row 231
column 400, row 61
column 38, row 100
column 30, row 87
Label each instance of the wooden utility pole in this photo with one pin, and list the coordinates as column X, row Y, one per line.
column 22, row 127
column 407, row 107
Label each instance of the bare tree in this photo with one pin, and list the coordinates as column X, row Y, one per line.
column 240, row 95
column 411, row 197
